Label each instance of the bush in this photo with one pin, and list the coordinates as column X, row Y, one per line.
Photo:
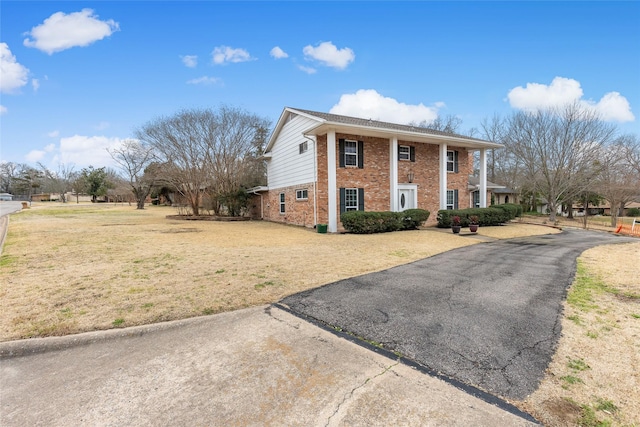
column 486, row 216
column 361, row 222
column 633, row 212
column 513, row 209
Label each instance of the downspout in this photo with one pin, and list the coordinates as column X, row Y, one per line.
column 315, row 178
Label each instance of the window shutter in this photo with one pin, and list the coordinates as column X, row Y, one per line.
column 455, row 165
column 360, row 154
column 342, row 200
column 341, row 152
column 455, row 198
column 412, row 153
column 360, row 199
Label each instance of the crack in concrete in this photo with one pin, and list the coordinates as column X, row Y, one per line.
column 349, row 395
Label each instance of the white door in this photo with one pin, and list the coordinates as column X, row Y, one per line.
column 406, row 199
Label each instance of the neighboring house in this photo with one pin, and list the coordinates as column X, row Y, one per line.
column 320, row 165
column 603, row 209
column 6, row 197
column 474, row 190
column 505, row 195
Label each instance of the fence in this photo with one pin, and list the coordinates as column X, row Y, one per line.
column 632, row 229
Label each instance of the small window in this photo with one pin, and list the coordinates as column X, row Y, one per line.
column 351, row 153
column 452, row 199
column 452, row 161
column 350, row 199
column 281, row 203
column 302, row 194
column 476, row 199
column 303, row 147
column 404, row 152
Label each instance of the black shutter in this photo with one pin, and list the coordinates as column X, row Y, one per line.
column 342, row 200
column 455, row 163
column 360, row 154
column 412, row 153
column 455, row 198
column 360, row 199
column 341, row 152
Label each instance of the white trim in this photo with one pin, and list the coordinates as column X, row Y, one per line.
column 282, row 205
column 393, row 173
column 408, row 153
column 443, row 176
column 346, row 198
column 483, row 178
column 331, row 181
column 302, row 190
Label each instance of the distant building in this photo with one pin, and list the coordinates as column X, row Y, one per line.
column 6, row 197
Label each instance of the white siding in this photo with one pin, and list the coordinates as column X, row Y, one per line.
column 287, row 166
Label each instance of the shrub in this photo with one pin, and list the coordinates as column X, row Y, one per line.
column 486, row 216
column 414, row 218
column 633, row 212
column 513, row 209
column 361, row 222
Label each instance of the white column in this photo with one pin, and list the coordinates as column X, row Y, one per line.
column 483, row 178
column 443, row 176
column 393, row 174
column 332, row 227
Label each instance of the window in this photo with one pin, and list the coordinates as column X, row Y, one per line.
column 452, row 199
column 406, row 152
column 351, row 153
column 303, row 147
column 302, row 194
column 476, row 199
column 351, row 199
column 281, row 203
column 452, row 161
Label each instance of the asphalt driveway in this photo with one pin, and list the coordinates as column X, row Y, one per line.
column 487, row 315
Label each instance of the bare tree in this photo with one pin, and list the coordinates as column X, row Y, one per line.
column 9, row 172
column 448, row 123
column 559, row 150
column 619, row 181
column 204, row 151
column 59, row 181
column 136, row 160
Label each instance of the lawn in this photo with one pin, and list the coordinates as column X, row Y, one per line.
column 69, row 268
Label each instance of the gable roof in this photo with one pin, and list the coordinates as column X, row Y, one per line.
column 359, row 126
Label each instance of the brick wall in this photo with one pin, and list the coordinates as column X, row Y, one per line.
column 297, row 212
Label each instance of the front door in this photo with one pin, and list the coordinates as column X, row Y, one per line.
column 406, row 199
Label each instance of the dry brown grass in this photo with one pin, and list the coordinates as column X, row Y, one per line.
column 73, row 268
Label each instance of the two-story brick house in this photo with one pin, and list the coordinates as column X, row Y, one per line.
column 320, row 165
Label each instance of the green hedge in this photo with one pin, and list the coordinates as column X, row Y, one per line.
column 361, row 222
column 634, row 212
column 495, row 215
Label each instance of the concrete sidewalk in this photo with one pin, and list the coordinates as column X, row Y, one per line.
column 258, row 366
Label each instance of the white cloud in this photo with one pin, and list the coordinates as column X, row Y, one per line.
column 204, row 80
column 49, row 148
column 224, row 54
column 3, row 110
column 278, row 53
column 536, row 96
column 190, row 61
column 35, row 83
column 86, row 151
column 34, row 156
column 14, row 75
column 369, row 104
column 328, row 54
column 308, row 70
column 61, row 31
column 53, row 134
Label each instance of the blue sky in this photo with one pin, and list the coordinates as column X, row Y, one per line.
column 79, row 77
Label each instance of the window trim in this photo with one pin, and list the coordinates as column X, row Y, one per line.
column 454, row 199
column 302, row 194
column 453, row 162
column 353, row 155
column 347, row 207
column 282, row 204
column 407, row 153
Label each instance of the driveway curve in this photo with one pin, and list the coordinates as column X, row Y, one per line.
column 487, row 315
